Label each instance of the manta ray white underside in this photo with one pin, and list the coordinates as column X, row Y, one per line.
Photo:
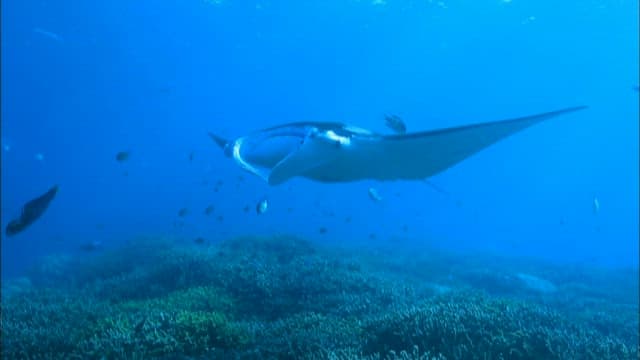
column 335, row 152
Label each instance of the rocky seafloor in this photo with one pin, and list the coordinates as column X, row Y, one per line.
column 283, row 297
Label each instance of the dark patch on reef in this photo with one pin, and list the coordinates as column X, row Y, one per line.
column 286, row 298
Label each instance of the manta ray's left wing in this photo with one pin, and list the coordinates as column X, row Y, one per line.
column 422, row 154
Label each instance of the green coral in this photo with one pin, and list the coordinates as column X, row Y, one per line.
column 283, row 297
column 474, row 326
column 47, row 323
column 306, row 335
column 158, row 333
column 200, row 298
column 41, row 323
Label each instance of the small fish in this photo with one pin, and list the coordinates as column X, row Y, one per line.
column 596, row 205
column 209, row 210
column 323, row 230
column 31, row 211
column 262, row 206
column 122, row 156
column 328, row 213
column 91, row 246
column 139, row 326
column 348, row 219
column 48, row 34
column 374, row 195
column 405, row 228
column 636, row 88
column 436, row 187
column 6, row 144
column 395, row 123
column 183, row 212
column 372, row 236
column 246, row 208
column 178, row 224
column 192, row 155
column 39, row 157
column 199, row 240
column 220, row 218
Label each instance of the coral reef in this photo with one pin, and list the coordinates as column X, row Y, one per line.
column 474, row 326
column 283, row 297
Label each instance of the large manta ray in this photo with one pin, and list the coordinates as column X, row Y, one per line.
column 336, row 152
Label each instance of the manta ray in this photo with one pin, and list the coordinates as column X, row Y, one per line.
column 332, row 152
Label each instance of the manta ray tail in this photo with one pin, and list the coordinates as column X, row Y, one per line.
column 220, row 141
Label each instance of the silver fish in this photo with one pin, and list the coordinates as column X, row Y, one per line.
column 596, row 205
column 48, row 34
column 262, row 207
column 374, row 195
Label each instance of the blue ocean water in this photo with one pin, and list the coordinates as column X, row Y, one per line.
column 84, row 80
column 528, row 248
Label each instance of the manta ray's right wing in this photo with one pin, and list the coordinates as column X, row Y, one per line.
column 423, row 154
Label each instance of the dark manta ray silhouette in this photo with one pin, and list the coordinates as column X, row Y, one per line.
column 31, row 211
column 336, row 152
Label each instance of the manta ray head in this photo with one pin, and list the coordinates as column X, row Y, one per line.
column 280, row 153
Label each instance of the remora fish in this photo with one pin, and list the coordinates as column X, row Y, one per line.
column 334, row 152
column 395, row 123
column 31, row 211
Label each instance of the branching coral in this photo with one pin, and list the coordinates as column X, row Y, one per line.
column 474, row 326
column 47, row 323
column 286, row 298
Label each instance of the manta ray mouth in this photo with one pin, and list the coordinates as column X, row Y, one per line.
column 281, row 154
column 237, row 156
column 260, row 156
